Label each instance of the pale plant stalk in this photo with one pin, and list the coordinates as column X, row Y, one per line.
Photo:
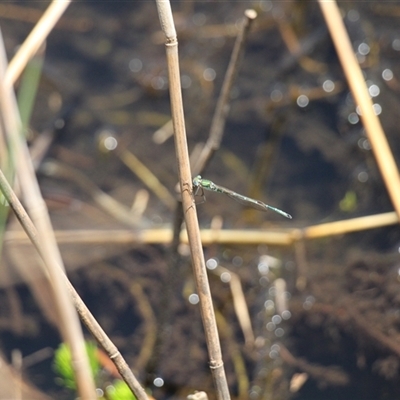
column 200, row 160
column 69, row 322
column 35, row 39
column 189, row 208
column 86, row 317
column 356, row 81
column 239, row 304
column 53, row 262
column 350, row 225
column 223, row 105
column 281, row 237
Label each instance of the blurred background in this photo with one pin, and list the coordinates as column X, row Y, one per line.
column 324, row 312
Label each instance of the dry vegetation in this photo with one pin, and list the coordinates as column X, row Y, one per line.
column 282, row 108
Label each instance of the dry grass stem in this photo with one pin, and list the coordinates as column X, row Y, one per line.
column 162, row 134
column 189, row 207
column 350, row 225
column 148, row 178
column 68, row 319
column 84, row 378
column 35, row 39
column 362, row 98
column 111, row 206
column 281, row 237
column 222, row 108
column 32, row 15
column 281, row 302
column 239, row 304
column 236, row 355
column 294, row 46
column 86, row 317
column 142, row 304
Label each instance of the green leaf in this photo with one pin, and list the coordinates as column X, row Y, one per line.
column 349, row 202
column 120, row 391
column 63, row 366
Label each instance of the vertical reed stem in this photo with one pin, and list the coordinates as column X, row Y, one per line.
column 356, row 81
column 189, row 208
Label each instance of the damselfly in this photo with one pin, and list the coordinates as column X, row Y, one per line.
column 199, row 182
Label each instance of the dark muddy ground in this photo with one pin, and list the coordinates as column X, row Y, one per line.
column 105, row 74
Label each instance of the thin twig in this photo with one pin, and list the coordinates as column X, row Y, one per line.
column 219, row 119
column 189, row 207
column 68, row 318
column 86, row 317
column 222, row 108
